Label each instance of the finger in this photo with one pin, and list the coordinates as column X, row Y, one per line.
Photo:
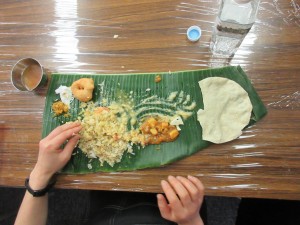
column 163, row 206
column 180, row 190
column 192, row 189
column 170, row 194
column 68, row 150
column 65, row 135
column 197, row 183
column 61, row 129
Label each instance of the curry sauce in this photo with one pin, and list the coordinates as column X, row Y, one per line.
column 157, row 131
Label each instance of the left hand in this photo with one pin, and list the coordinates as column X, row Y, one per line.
column 51, row 156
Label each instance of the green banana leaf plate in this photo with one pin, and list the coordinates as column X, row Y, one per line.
column 142, row 86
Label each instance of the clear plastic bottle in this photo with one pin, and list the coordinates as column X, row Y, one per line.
column 235, row 19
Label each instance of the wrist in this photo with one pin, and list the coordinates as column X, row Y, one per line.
column 195, row 221
column 41, row 192
column 39, row 180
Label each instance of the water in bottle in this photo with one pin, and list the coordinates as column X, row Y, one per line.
column 235, row 19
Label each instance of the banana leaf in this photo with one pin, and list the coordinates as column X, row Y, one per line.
column 143, row 85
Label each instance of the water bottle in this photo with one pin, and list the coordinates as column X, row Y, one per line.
column 235, row 19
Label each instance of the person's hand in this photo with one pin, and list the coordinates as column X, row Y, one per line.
column 51, row 156
column 185, row 197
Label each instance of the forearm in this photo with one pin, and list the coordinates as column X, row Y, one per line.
column 51, row 158
column 34, row 210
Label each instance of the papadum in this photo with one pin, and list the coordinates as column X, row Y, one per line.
column 227, row 109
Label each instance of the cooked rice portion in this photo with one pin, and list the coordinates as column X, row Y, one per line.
column 105, row 133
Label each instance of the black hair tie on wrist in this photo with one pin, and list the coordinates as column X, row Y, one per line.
column 42, row 192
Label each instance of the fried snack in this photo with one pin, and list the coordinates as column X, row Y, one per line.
column 82, row 89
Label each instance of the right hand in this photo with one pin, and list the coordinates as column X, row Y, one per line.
column 185, row 197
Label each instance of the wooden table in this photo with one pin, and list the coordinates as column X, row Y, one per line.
column 150, row 36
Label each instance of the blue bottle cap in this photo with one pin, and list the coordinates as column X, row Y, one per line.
column 193, row 33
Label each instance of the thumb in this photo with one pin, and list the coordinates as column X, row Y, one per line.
column 67, row 152
column 163, row 206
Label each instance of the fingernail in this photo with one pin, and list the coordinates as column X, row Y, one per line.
column 158, row 198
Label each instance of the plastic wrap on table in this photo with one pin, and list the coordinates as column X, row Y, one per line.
column 113, row 37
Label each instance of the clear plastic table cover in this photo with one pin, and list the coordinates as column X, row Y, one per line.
column 109, row 37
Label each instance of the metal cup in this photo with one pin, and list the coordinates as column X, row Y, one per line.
column 28, row 75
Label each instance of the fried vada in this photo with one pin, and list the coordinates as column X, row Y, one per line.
column 82, row 89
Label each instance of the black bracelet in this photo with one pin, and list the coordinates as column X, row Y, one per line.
column 42, row 192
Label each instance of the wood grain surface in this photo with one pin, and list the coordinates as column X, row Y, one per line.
column 150, row 36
